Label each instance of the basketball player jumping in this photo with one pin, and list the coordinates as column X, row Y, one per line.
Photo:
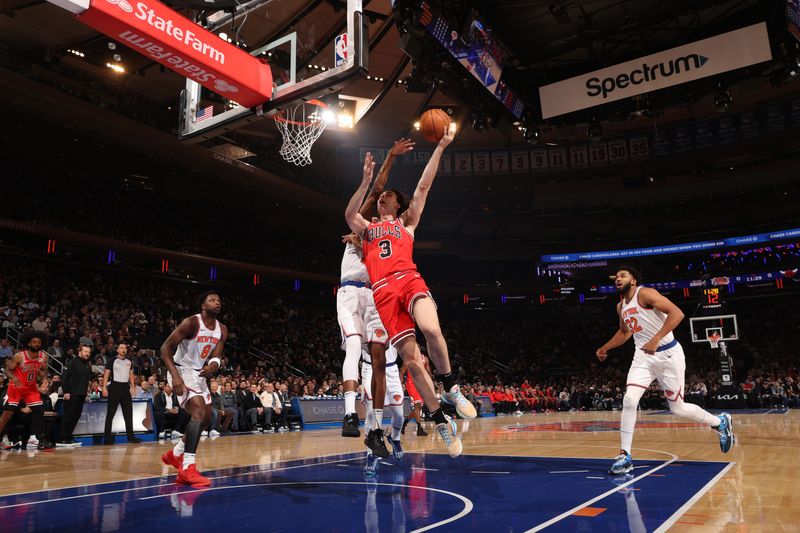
column 359, row 321
column 401, row 295
column 22, row 372
column 650, row 318
column 196, row 339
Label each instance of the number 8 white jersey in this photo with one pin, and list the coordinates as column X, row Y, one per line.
column 643, row 322
column 192, row 353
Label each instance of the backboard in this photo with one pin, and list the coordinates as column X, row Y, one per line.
column 725, row 326
column 312, row 48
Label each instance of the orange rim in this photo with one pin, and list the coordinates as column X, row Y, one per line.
column 280, row 118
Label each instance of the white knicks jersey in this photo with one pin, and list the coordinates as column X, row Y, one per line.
column 644, row 323
column 353, row 268
column 193, row 353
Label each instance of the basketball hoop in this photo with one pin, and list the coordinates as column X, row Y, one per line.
column 713, row 340
column 300, row 126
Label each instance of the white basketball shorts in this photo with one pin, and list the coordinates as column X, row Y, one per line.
column 394, row 389
column 668, row 367
column 194, row 385
column 358, row 316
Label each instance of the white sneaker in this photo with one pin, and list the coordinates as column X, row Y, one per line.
column 213, row 433
column 161, row 435
column 448, row 433
column 176, row 435
column 464, row 407
column 204, row 434
column 33, row 442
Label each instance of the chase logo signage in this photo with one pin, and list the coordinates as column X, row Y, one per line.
column 708, row 57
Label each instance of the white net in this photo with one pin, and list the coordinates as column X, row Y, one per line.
column 301, row 125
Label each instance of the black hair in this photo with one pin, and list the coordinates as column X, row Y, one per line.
column 31, row 334
column 202, row 298
column 402, row 199
column 633, row 271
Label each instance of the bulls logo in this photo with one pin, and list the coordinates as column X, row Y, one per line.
column 122, row 4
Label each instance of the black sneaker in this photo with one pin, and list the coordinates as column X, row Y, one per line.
column 134, row 440
column 45, row 444
column 350, row 426
column 376, row 443
column 421, row 432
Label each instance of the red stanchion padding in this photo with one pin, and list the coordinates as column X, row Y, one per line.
column 153, row 29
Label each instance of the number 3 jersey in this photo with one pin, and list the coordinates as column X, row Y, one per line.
column 193, row 352
column 388, row 248
column 643, row 322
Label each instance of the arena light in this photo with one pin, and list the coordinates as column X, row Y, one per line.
column 345, row 120
column 119, row 69
column 417, row 125
column 328, row 116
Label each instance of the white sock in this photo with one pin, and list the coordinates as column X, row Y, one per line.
column 630, row 403
column 378, row 414
column 178, row 449
column 349, row 402
column 188, row 459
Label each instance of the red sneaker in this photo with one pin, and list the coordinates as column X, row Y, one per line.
column 190, row 476
column 170, row 459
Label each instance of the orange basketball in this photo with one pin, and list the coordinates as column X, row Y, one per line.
column 432, row 124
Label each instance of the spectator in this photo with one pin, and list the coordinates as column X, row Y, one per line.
column 170, row 417
column 229, row 405
column 56, row 351
column 253, row 409
column 6, row 352
column 273, row 407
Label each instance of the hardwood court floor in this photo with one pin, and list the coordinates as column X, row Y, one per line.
column 759, row 492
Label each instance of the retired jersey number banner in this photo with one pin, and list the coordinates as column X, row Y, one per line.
column 700, row 59
column 156, row 31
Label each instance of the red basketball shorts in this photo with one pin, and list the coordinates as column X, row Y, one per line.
column 30, row 395
column 394, row 298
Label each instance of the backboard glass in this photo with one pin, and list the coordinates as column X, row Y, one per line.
column 312, row 49
column 725, row 326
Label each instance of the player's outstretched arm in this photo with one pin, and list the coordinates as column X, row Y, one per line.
column 620, row 337
column 215, row 362
column 354, row 219
column 653, row 298
column 186, row 330
column 400, row 147
column 414, row 212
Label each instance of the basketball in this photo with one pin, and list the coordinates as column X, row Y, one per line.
column 432, row 124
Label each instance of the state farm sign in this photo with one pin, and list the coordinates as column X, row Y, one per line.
column 158, row 32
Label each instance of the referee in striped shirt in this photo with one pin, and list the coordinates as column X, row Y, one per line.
column 119, row 386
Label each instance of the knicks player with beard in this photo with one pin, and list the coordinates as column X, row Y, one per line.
column 401, row 295
column 360, row 323
column 649, row 317
column 196, row 344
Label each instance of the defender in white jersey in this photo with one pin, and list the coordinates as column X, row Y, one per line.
column 393, row 401
column 359, row 319
column 649, row 318
column 197, row 344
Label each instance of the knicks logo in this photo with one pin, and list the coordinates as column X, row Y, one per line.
column 669, row 393
column 397, row 397
column 380, row 333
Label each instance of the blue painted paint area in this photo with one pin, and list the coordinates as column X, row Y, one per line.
column 332, row 494
column 734, row 412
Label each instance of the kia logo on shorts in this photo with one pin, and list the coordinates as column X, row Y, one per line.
column 122, row 4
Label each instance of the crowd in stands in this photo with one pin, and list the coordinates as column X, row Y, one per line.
column 540, row 360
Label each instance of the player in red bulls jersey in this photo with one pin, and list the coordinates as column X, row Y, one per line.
column 22, row 371
column 197, row 344
column 401, row 295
